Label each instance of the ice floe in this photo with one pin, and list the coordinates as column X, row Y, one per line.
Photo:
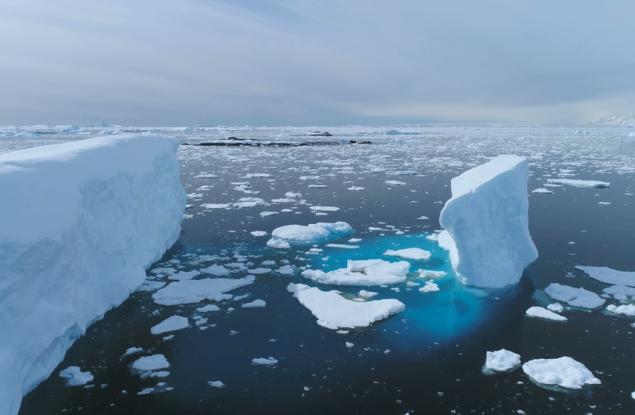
column 336, row 312
column 500, row 361
column 194, row 291
column 172, row 323
column 150, row 363
column 409, row 253
column 299, row 235
column 543, row 313
column 588, row 184
column 575, row 297
column 609, row 275
column 362, row 272
column 75, row 377
column 563, row 372
column 623, row 309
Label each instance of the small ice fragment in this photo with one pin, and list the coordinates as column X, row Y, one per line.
column 75, row 377
column 172, row 323
column 500, row 361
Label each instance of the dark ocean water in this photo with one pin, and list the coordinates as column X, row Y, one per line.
column 426, row 360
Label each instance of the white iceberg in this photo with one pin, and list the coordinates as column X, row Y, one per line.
column 564, row 372
column 75, row 377
column 543, row 313
column 486, row 223
column 575, row 297
column 150, row 363
column 362, row 272
column 79, row 224
column 194, row 291
column 299, row 235
column 336, row 312
column 500, row 361
column 623, row 309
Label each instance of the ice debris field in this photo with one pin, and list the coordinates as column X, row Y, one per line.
column 431, row 268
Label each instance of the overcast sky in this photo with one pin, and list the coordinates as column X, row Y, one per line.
column 299, row 62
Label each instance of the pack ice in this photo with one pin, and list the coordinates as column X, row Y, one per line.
column 486, row 223
column 79, row 223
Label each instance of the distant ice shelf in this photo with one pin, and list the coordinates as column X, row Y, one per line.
column 79, row 224
column 486, row 223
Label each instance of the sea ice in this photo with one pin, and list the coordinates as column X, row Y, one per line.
column 624, row 309
column 362, row 272
column 172, row 323
column 409, row 253
column 564, row 372
column 575, row 297
column 264, row 361
column 486, row 223
column 541, row 312
column 71, row 220
column 335, row 312
column 194, row 291
column 75, row 377
column 216, row 384
column 257, row 303
column 429, row 287
column 589, row 184
column 286, row 236
column 500, row 361
column 609, row 275
column 150, row 363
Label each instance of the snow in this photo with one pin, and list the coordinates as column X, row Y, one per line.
column 362, row 272
column 409, row 253
column 258, row 303
column 264, row 361
column 575, row 297
column 149, row 363
column 609, row 275
column 335, row 312
column 79, row 224
column 194, row 291
column 288, row 235
column 75, row 377
column 486, row 223
column 587, row 184
column 172, row 323
column 564, row 372
column 501, row 361
column 624, row 309
column 541, row 312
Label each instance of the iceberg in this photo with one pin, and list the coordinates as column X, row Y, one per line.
column 563, row 372
column 299, row 235
column 79, row 224
column 362, row 272
column 486, row 223
column 500, row 361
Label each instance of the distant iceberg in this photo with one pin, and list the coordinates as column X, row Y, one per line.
column 486, row 223
column 79, row 224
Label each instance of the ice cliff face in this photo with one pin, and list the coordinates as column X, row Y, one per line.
column 486, row 223
column 79, row 223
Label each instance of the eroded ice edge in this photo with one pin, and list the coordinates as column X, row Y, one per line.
column 79, row 224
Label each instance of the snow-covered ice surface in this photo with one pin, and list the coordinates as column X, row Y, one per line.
column 427, row 358
column 486, row 223
column 71, row 220
column 609, row 275
column 362, row 272
column 563, row 372
column 500, row 361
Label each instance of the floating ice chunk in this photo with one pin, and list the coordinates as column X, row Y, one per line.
column 75, row 377
column 216, row 205
column 334, row 311
column 149, row 363
column 409, row 253
column 132, row 350
column 342, row 246
column 71, row 217
column 542, row 190
column 486, row 223
column 429, row 287
column 609, row 275
column 395, row 183
column 620, row 292
column 624, row 309
column 286, row 270
column 500, row 361
column 564, row 372
column 194, row 291
column 257, row 303
column 172, row 323
column 428, row 273
column 216, row 384
column 355, row 188
column 575, row 297
column 216, row 270
column 541, row 312
column 588, row 184
column 362, row 272
column 366, row 294
column 556, row 307
column 264, row 361
column 324, row 208
column 183, row 275
column 285, row 236
column 258, row 234
column 208, row 308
